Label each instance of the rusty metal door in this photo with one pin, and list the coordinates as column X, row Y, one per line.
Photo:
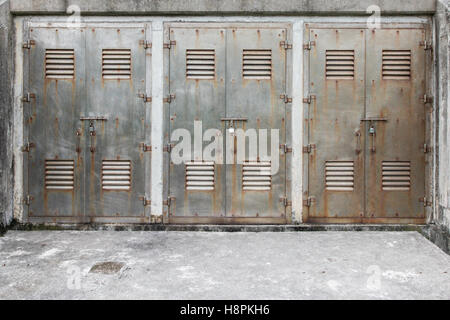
column 395, row 161
column 255, row 80
column 336, row 133
column 197, row 83
column 54, row 96
column 117, row 125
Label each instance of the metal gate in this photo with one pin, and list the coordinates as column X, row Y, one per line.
column 87, row 124
column 367, row 141
column 228, row 78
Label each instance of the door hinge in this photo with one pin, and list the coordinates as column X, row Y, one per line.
column 27, row 147
column 146, row 44
column 28, row 97
column 286, row 203
column 426, row 202
column 309, row 201
column 146, row 147
column 27, row 44
column 286, row 45
column 285, row 148
column 168, row 148
column 285, row 98
column 27, row 200
column 309, row 99
column 169, row 201
column 427, row 148
column 309, row 45
column 426, row 45
column 170, row 44
column 309, row 148
column 145, row 201
column 169, row 98
column 427, row 99
column 145, row 97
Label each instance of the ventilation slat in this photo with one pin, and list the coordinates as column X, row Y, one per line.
column 116, row 175
column 201, row 64
column 200, row 176
column 339, row 175
column 59, row 174
column 340, row 64
column 59, row 63
column 396, row 64
column 257, row 64
column 257, row 176
column 116, row 64
column 396, row 175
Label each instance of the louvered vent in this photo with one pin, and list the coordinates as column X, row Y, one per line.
column 201, row 64
column 116, row 64
column 59, row 174
column 59, row 63
column 340, row 64
column 200, row 176
column 396, row 175
column 397, row 64
column 257, row 64
column 116, row 175
column 256, row 176
column 340, row 175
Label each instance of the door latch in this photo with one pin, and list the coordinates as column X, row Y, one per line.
column 146, row 148
column 170, row 44
column 145, row 201
column 27, row 147
column 285, row 148
column 426, row 202
column 309, row 201
column 146, row 44
column 309, row 148
column 169, row 98
column 309, row 99
column 27, row 200
column 28, row 97
column 427, row 99
column 169, row 201
column 285, row 98
column 27, row 44
column 286, row 45
column 286, row 203
column 144, row 97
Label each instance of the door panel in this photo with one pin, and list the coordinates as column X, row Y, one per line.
column 197, row 78
column 115, row 123
column 55, row 168
column 336, row 166
column 256, row 77
column 394, row 89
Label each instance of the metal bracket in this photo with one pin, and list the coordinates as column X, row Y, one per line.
column 426, row 202
column 27, row 200
column 285, row 98
column 286, row 45
column 309, row 148
column 169, row 98
column 146, row 44
column 309, row 45
column 285, row 148
column 426, row 45
column 309, row 201
column 27, row 44
column 426, row 148
column 28, row 97
column 169, row 201
column 145, row 201
column 286, row 203
column 27, row 147
column 427, row 99
column 170, row 44
column 98, row 118
column 146, row 147
column 168, row 148
column 309, row 99
column 145, row 97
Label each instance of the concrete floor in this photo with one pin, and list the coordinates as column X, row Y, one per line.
column 195, row 265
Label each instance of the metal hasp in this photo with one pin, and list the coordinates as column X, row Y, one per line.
column 27, row 98
column 28, row 44
column 145, row 201
column 145, row 44
column 144, row 97
column 169, row 98
column 369, row 166
column 220, row 73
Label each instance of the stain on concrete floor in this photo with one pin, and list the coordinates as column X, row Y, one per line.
column 196, row 265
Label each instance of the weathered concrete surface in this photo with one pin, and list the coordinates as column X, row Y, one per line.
column 224, row 6
column 189, row 265
column 6, row 72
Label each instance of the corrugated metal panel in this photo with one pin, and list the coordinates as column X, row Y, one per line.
column 397, row 64
column 257, row 64
column 59, row 174
column 116, row 175
column 59, row 63
column 200, row 176
column 396, row 175
column 256, row 176
column 200, row 64
column 340, row 175
column 116, row 64
column 340, row 64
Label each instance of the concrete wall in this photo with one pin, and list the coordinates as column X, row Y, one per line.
column 6, row 80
